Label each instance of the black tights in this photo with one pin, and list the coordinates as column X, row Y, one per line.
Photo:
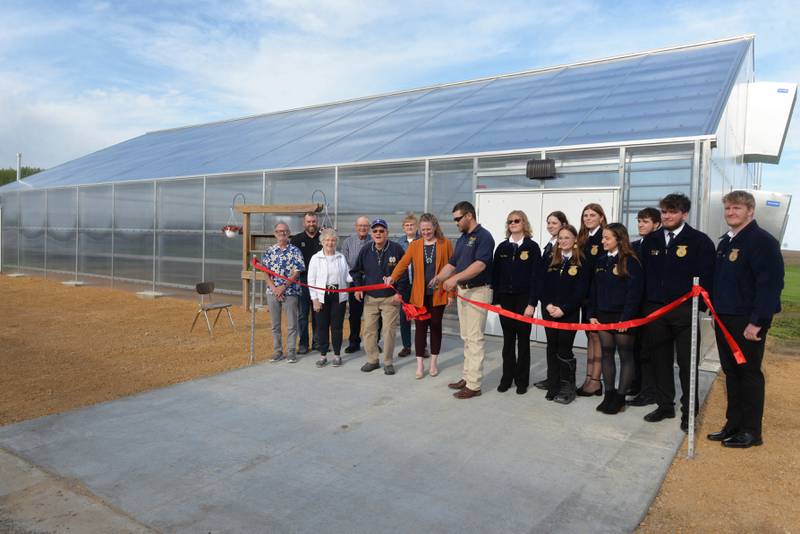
column 613, row 341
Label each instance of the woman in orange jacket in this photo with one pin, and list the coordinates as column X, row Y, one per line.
column 427, row 256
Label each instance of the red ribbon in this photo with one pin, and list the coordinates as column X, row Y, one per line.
column 420, row 313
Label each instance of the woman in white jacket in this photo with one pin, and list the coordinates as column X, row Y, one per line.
column 328, row 268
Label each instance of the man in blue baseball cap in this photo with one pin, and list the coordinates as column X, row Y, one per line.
column 376, row 261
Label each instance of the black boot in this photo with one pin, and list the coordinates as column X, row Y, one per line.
column 566, row 372
column 616, row 404
column 608, row 399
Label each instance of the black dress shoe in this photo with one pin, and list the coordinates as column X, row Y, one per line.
column 351, row 349
column 502, row 388
column 550, row 395
column 642, row 399
column 302, row 350
column 685, row 425
column 742, row 440
column 521, row 390
column 722, row 435
column 542, row 384
column 659, row 414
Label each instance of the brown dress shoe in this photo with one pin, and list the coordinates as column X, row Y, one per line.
column 467, row 393
column 461, row 384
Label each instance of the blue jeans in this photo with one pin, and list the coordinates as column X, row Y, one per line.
column 303, row 311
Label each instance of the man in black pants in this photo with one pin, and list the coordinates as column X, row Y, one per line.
column 648, row 221
column 671, row 258
column 748, row 280
column 308, row 243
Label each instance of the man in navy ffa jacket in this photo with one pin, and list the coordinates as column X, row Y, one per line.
column 671, row 258
column 748, row 280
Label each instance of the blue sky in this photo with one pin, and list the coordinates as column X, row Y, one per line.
column 79, row 76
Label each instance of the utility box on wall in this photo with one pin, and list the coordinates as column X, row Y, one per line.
column 769, row 111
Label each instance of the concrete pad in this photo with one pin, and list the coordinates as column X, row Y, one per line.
column 32, row 501
column 293, row 448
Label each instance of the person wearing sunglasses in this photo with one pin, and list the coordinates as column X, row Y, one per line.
column 469, row 270
column 376, row 261
column 514, row 272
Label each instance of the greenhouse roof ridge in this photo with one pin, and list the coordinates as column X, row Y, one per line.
column 537, row 70
column 662, row 95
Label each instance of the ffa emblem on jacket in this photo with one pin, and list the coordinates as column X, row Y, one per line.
column 523, row 255
column 681, row 252
column 594, row 250
column 734, row 255
column 572, row 270
column 392, row 260
column 615, row 271
column 471, row 241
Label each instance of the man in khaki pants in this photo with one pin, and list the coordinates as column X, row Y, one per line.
column 376, row 261
column 470, row 269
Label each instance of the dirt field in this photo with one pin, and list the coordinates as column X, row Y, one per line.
column 63, row 347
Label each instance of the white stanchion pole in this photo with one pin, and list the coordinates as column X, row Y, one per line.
column 253, row 314
column 693, row 368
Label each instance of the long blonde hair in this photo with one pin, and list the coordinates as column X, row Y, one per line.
column 526, row 225
column 576, row 251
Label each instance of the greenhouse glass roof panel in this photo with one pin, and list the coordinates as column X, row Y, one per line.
column 652, row 95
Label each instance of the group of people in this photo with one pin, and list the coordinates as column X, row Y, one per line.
column 595, row 274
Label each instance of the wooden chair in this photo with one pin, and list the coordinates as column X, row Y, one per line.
column 207, row 288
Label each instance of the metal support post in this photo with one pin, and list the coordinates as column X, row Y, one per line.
column 693, row 368
column 253, row 313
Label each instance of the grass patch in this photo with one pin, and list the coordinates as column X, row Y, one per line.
column 786, row 325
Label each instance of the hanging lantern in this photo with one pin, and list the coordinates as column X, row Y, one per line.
column 231, row 229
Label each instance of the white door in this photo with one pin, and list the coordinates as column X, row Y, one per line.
column 493, row 208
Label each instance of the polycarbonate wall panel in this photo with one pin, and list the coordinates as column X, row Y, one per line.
column 94, row 221
column 450, row 183
column 133, row 255
column 62, row 216
column 300, row 188
column 588, row 168
column 96, row 207
column 387, row 191
column 179, row 247
column 134, row 206
column 579, row 169
column 223, row 263
column 10, row 228
column 61, row 249
column 653, row 173
column 32, row 231
column 134, row 211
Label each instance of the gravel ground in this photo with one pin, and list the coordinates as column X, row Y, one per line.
column 63, row 347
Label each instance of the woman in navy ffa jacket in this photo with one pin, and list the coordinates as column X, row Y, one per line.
column 616, row 296
column 593, row 220
column 556, row 220
column 514, row 269
column 563, row 286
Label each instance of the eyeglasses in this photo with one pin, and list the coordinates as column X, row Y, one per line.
column 513, row 221
column 458, row 219
column 281, row 232
column 378, row 231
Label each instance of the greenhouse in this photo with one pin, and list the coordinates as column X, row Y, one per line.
column 626, row 130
